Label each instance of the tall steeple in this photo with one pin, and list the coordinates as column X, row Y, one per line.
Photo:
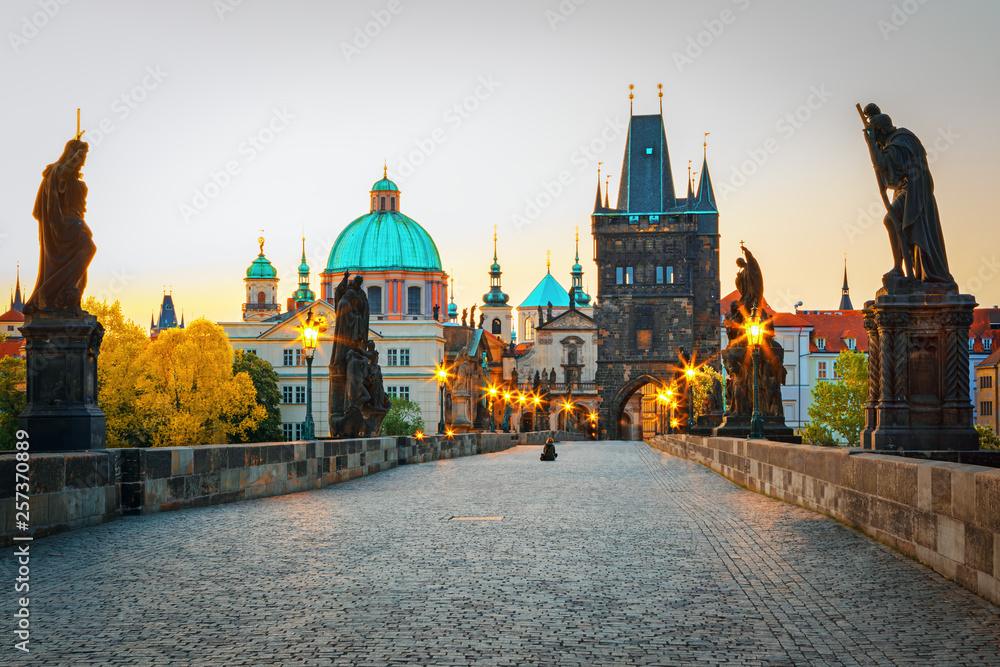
column 581, row 298
column 303, row 295
column 845, row 297
column 496, row 296
column 647, row 183
column 452, row 308
column 706, row 194
column 597, row 201
column 16, row 303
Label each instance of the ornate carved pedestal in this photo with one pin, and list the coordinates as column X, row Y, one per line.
column 918, row 369
column 61, row 412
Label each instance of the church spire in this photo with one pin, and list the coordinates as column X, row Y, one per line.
column 607, row 180
column 706, row 193
column 845, row 297
column 580, row 298
column 496, row 296
column 16, row 302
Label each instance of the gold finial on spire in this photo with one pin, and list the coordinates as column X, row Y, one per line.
column 494, row 243
column 659, row 87
column 578, row 233
column 599, row 172
column 631, row 96
column 385, row 168
column 260, row 240
column 704, row 145
column 548, row 261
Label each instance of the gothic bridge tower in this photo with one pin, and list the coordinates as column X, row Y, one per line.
column 657, row 259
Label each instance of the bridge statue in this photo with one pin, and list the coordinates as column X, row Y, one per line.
column 738, row 361
column 62, row 341
column 358, row 402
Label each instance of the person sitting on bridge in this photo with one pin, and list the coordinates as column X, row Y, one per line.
column 549, row 451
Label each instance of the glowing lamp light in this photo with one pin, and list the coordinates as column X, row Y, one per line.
column 419, row 435
column 593, row 416
column 754, row 332
column 675, row 423
column 493, row 391
column 441, row 374
column 450, row 433
column 690, row 373
column 537, row 400
column 506, row 396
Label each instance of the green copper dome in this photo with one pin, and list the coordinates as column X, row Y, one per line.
column 385, row 185
column 261, row 268
column 381, row 241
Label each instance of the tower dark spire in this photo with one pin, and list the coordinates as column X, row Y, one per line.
column 607, row 180
column 16, row 303
column 597, row 202
column 647, row 182
column 706, row 194
column 845, row 297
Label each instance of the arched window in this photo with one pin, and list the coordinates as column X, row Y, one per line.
column 572, row 355
column 392, row 203
column 529, row 330
column 496, row 327
column 381, row 203
column 261, row 299
column 373, row 203
column 413, row 300
column 375, row 300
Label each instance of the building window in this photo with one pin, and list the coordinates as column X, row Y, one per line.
column 659, row 275
column 261, row 299
column 391, row 358
column 292, row 431
column 413, row 300
column 286, row 357
column 972, row 343
column 300, row 394
column 852, row 343
column 496, row 327
column 821, row 344
column 286, row 394
column 669, row 270
column 404, row 356
column 529, row 330
column 619, row 276
column 381, row 203
column 987, row 344
column 398, row 392
column 253, row 352
column 392, row 203
column 986, row 408
column 375, row 300
column 821, row 370
column 629, row 275
column 298, row 358
column 986, row 382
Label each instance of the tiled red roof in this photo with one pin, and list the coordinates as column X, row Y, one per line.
column 12, row 348
column 982, row 321
column 836, row 326
column 12, row 316
column 991, row 360
column 522, row 349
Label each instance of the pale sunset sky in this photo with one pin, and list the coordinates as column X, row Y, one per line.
column 210, row 120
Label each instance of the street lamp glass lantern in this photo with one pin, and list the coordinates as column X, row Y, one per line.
column 754, row 332
column 310, row 339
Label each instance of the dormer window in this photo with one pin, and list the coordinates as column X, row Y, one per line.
column 972, row 344
column 852, row 343
column 820, row 343
column 987, row 344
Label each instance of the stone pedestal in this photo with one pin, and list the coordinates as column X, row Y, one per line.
column 61, row 413
column 738, row 426
column 918, row 368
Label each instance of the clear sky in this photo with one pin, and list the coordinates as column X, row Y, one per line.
column 479, row 109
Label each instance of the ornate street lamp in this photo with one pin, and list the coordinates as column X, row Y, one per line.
column 507, row 400
column 520, row 412
column 537, row 400
column 441, row 375
column 666, row 397
column 690, row 375
column 492, row 393
column 310, row 340
column 754, row 333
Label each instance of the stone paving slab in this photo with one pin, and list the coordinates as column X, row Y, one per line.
column 615, row 554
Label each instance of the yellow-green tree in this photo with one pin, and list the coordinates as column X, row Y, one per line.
column 118, row 370
column 187, row 393
column 838, row 405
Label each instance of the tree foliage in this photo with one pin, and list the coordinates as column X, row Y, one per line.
column 187, row 392
column 12, row 398
column 265, row 381
column 702, row 388
column 838, row 405
column 118, row 369
column 987, row 438
column 404, row 418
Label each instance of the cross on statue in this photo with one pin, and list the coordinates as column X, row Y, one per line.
column 79, row 132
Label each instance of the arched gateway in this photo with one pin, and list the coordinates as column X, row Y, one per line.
column 657, row 258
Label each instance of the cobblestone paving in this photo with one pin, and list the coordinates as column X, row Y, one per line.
column 614, row 554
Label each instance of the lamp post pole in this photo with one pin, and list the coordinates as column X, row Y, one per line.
column 309, row 429
column 756, row 422
column 441, row 401
column 691, row 374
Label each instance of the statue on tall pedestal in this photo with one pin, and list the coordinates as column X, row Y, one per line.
column 738, row 363
column 358, row 402
column 918, row 323
column 62, row 341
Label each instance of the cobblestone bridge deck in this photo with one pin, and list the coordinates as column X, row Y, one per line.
column 614, row 554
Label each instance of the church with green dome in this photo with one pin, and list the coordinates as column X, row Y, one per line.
column 397, row 258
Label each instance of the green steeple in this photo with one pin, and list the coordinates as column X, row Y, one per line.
column 261, row 267
column 496, row 296
column 303, row 294
column 582, row 298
